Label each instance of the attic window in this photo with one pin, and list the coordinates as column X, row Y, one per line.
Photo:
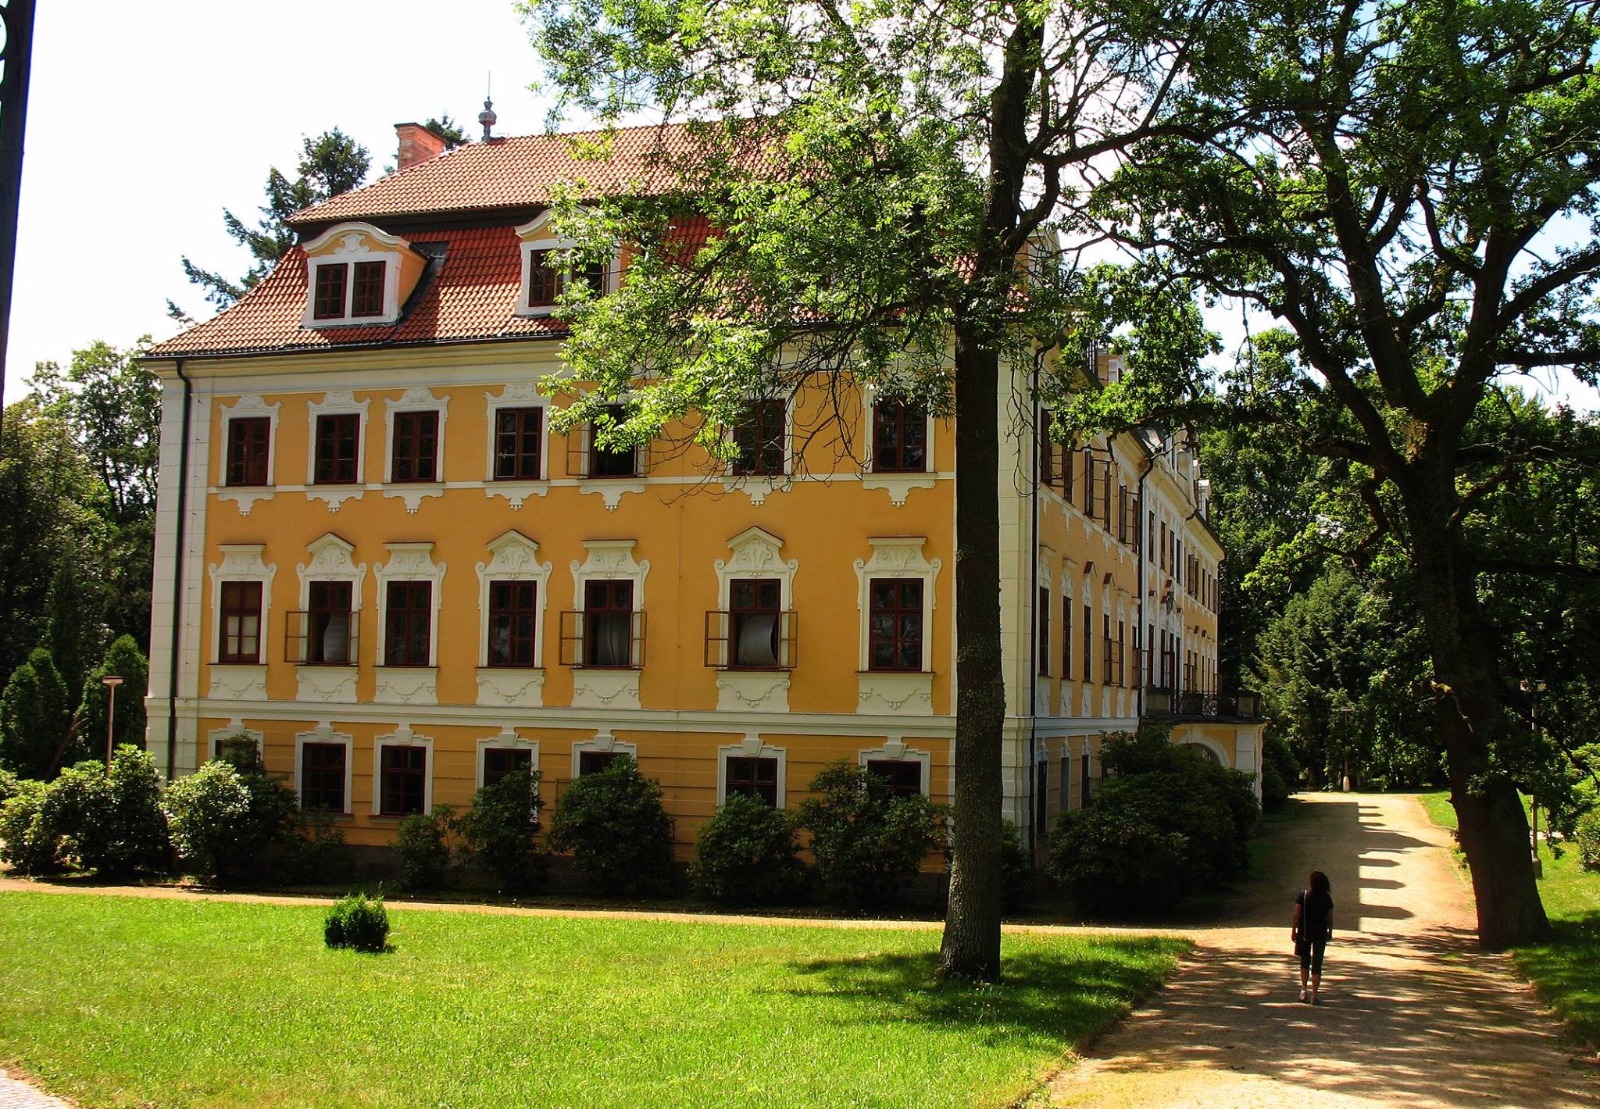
column 358, row 274
column 546, row 272
column 338, row 297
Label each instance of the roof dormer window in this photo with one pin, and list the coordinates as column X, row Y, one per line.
column 358, row 275
column 547, row 270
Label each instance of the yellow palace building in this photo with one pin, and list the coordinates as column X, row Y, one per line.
column 375, row 557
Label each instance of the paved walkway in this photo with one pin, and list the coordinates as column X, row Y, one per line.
column 1412, row 1014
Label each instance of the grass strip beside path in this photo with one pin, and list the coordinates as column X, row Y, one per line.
column 130, row 1001
column 1567, row 969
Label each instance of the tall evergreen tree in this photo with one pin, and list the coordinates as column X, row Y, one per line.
column 330, row 163
column 34, row 718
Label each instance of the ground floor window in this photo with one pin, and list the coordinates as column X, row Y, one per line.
column 322, row 776
column 903, row 776
column 592, row 762
column 501, row 761
column 402, row 780
column 755, row 777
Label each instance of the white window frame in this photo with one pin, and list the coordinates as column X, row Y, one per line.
column 409, row 562
column 402, row 736
column 241, row 562
column 415, row 399
column 896, row 557
column 757, row 556
column 249, row 408
column 358, row 242
column 506, row 740
column 609, row 560
column 324, row 733
column 336, row 403
column 235, row 727
column 753, row 747
column 522, row 394
column 788, row 468
column 894, row 749
column 513, row 557
column 536, row 235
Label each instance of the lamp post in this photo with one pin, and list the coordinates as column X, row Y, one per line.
column 1348, row 713
column 111, row 681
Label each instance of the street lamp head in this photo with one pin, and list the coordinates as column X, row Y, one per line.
column 112, row 680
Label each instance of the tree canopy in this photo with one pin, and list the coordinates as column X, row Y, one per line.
column 1411, row 189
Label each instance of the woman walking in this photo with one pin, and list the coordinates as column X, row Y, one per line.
column 1311, row 930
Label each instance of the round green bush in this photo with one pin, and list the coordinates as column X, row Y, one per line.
column 746, row 855
column 111, row 824
column 1587, row 838
column 618, row 832
column 502, row 831
column 204, row 814
column 358, row 922
column 867, row 841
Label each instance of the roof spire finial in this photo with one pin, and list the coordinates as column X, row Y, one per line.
column 487, row 116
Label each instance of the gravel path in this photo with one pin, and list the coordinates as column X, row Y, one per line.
column 1412, row 1014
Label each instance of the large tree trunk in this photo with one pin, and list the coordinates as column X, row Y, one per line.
column 971, row 946
column 1494, row 830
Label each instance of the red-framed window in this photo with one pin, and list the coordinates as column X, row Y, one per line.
column 241, row 623
column 754, row 615
column 894, row 630
column 903, row 776
column 513, row 612
column 754, row 777
column 327, row 298
column 414, row 453
column 322, row 776
column 608, row 623
column 1066, row 637
column 518, row 443
column 611, row 463
column 760, row 438
column 1088, row 645
column 899, row 439
column 544, row 279
column 592, row 762
column 328, row 623
column 366, row 297
column 338, row 447
column 500, row 761
column 402, row 780
column 1042, row 628
column 408, row 623
column 249, row 439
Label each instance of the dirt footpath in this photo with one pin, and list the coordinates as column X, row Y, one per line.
column 1412, row 1014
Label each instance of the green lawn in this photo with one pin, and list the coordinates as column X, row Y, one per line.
column 1566, row 970
column 126, row 1001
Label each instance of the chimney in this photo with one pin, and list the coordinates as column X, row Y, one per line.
column 417, row 144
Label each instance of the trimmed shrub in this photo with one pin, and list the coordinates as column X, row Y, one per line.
column 1166, row 824
column 122, row 830
column 426, row 846
column 308, row 853
column 358, row 922
column 205, row 812
column 502, row 831
column 27, row 842
column 867, row 841
column 1016, row 869
column 746, row 855
column 1279, row 773
column 1587, row 838
column 273, row 811
column 34, row 718
column 618, row 832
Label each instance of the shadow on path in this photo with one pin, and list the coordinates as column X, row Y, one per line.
column 1413, row 1014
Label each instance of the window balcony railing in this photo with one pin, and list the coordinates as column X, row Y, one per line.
column 322, row 638
column 751, row 640
column 1162, row 703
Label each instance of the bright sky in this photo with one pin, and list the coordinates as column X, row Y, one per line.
column 146, row 120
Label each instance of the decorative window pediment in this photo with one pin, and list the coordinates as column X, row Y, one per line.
column 358, row 275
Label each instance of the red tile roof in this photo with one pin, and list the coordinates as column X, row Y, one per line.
column 472, row 295
column 513, row 173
